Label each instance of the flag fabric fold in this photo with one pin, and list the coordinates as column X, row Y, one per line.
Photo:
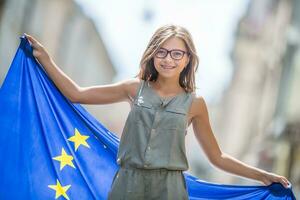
column 52, row 148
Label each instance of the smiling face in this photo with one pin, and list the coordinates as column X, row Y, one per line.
column 156, row 64
column 169, row 67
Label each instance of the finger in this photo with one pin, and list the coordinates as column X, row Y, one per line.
column 283, row 182
column 289, row 184
column 33, row 42
column 35, row 45
column 286, row 181
column 31, row 39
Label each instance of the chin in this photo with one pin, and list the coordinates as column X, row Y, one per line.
column 167, row 75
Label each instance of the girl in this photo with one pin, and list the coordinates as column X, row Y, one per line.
column 163, row 104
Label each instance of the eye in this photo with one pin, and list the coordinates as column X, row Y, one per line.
column 177, row 54
column 161, row 52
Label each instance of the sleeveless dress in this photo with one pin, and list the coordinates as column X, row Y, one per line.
column 151, row 153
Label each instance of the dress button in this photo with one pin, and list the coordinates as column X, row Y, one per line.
column 149, row 148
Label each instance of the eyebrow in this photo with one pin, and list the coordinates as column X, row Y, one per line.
column 172, row 49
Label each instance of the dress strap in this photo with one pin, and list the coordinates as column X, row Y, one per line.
column 140, row 89
column 192, row 96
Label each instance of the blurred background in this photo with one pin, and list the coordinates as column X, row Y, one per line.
column 249, row 68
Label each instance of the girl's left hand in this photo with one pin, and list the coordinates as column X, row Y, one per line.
column 268, row 178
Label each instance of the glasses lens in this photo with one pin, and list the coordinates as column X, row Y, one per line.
column 177, row 54
column 161, row 53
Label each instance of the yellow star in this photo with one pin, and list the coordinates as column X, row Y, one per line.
column 64, row 159
column 79, row 139
column 59, row 190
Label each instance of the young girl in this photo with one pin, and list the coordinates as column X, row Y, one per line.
column 163, row 104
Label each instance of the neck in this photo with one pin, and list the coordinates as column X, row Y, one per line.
column 168, row 85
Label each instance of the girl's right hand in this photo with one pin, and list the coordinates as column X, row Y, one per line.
column 39, row 52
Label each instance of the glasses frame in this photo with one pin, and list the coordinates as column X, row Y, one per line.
column 170, row 51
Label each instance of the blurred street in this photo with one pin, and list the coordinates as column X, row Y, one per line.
column 249, row 70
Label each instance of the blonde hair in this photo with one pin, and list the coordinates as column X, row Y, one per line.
column 147, row 69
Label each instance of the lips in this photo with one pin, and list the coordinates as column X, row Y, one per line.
column 167, row 67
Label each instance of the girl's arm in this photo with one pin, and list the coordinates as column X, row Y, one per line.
column 103, row 94
column 208, row 142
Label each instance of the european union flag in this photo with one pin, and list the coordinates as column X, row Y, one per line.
column 51, row 148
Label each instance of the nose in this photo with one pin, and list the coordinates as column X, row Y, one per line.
column 168, row 57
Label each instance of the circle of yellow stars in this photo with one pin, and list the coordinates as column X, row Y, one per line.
column 66, row 160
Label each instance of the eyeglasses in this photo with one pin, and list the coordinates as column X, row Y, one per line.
column 176, row 54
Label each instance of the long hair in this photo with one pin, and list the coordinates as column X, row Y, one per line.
column 147, row 69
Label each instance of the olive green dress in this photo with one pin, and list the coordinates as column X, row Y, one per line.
column 152, row 154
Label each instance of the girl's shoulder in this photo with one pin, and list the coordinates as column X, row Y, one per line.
column 132, row 86
column 198, row 105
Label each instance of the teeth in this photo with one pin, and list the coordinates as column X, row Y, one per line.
column 166, row 67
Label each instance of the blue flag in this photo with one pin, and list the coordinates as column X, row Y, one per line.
column 51, row 148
